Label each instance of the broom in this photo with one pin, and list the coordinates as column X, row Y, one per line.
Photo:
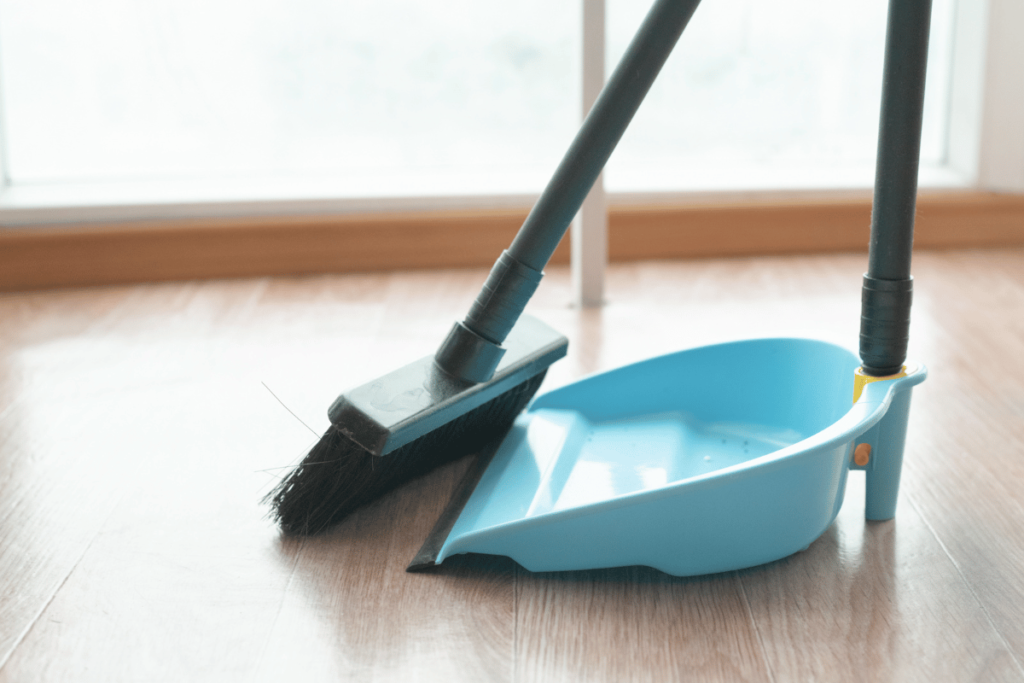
column 467, row 395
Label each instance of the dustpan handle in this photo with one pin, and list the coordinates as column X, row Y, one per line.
column 888, row 287
column 473, row 348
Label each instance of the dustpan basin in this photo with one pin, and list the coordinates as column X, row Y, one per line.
column 701, row 461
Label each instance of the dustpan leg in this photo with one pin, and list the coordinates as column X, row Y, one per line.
column 887, row 440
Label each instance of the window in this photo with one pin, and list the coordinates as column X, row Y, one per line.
column 355, row 98
column 121, row 108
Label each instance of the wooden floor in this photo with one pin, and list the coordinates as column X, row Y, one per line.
column 138, row 432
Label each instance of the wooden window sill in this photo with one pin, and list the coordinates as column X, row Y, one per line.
column 84, row 255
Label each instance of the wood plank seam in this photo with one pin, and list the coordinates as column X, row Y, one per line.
column 280, row 607
column 28, row 629
column 757, row 630
column 967, row 583
column 515, row 624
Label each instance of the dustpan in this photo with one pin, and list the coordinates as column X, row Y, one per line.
column 702, row 461
column 721, row 457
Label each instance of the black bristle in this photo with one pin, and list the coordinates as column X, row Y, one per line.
column 337, row 475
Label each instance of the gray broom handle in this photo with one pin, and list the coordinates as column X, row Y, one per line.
column 518, row 271
column 600, row 132
column 888, row 287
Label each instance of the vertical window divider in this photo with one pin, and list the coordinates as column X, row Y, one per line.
column 5, row 168
column 589, row 236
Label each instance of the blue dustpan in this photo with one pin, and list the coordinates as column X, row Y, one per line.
column 702, row 461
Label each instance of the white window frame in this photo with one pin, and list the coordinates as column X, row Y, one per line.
column 986, row 135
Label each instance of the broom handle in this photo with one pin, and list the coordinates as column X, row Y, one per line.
column 600, row 133
column 518, row 271
column 888, row 287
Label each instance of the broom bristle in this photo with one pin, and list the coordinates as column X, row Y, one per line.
column 338, row 476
